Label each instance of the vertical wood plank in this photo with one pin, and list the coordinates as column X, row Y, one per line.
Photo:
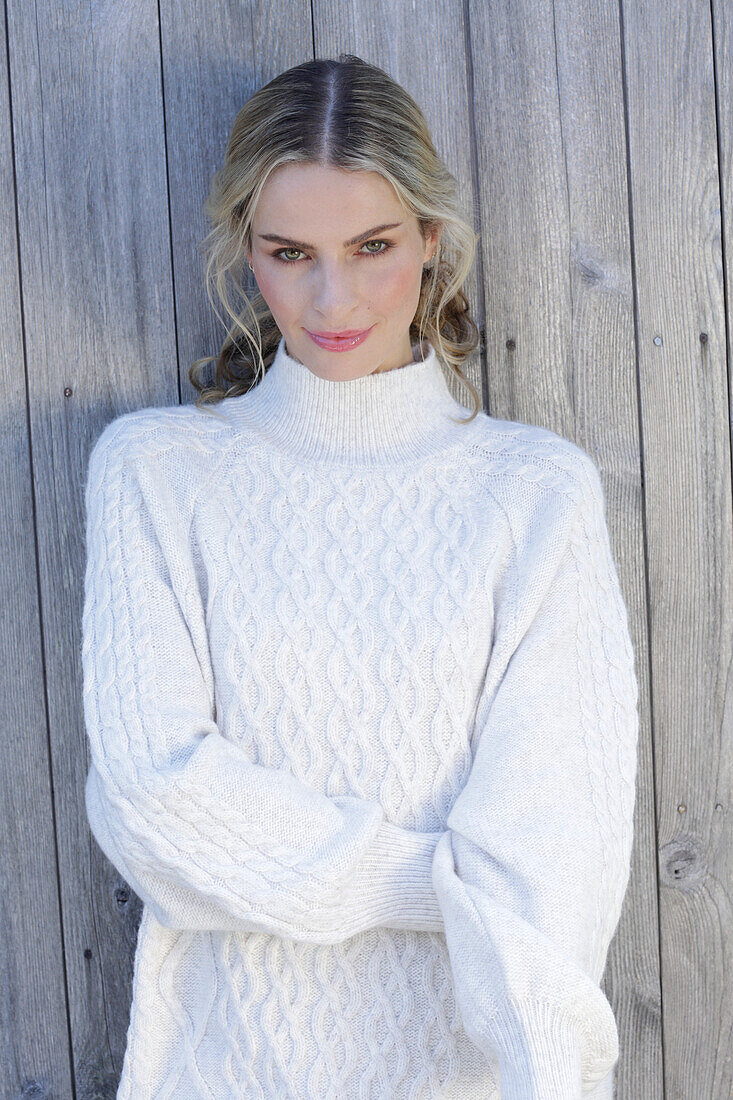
column 549, row 109
column 34, row 1040
column 99, row 328
column 675, row 191
column 721, row 825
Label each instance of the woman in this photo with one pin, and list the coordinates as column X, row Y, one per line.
column 358, row 679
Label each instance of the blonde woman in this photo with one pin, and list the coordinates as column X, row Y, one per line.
column 358, row 681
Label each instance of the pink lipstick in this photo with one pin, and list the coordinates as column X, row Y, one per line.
column 340, row 341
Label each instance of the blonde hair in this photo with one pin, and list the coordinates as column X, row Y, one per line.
column 345, row 114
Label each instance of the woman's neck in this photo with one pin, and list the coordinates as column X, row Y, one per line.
column 380, row 418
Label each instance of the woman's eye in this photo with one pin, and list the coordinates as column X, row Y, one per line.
column 387, row 246
column 282, row 256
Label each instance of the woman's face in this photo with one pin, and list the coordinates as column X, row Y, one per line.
column 325, row 262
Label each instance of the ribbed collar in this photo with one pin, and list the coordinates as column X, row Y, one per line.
column 396, row 415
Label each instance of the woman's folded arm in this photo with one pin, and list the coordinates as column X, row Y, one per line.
column 206, row 837
column 532, row 870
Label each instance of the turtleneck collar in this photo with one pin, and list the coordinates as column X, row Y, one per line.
column 391, row 416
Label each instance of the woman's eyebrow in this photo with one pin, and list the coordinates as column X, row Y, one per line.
column 312, row 248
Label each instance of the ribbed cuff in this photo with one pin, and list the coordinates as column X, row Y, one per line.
column 393, row 884
column 538, row 1048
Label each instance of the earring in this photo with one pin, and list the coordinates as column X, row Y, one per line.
column 250, row 266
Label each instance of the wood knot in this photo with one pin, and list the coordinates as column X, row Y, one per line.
column 682, row 864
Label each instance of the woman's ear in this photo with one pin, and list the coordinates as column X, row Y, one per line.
column 433, row 240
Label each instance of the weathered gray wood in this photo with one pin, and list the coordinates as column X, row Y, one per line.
column 586, row 138
column 549, row 113
column 97, row 295
column 684, row 396
column 718, row 781
column 34, row 1047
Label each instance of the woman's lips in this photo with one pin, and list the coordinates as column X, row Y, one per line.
column 342, row 343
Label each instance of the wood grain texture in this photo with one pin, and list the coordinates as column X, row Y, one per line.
column 34, row 1044
column 593, row 148
column 675, row 185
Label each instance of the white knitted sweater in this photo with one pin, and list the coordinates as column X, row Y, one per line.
column 362, row 711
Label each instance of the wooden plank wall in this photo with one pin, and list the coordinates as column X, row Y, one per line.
column 594, row 143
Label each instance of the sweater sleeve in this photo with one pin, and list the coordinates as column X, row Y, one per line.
column 532, row 870
column 207, row 838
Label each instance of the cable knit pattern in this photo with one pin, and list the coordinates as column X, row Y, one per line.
column 362, row 715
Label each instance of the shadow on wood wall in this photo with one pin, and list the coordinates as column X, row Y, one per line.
column 593, row 143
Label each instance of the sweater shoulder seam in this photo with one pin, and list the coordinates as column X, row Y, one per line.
column 159, row 431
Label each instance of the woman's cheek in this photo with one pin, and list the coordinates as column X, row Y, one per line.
column 400, row 283
column 277, row 292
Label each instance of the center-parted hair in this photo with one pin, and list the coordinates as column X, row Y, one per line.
column 345, row 114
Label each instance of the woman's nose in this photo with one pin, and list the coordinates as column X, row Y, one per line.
column 335, row 290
